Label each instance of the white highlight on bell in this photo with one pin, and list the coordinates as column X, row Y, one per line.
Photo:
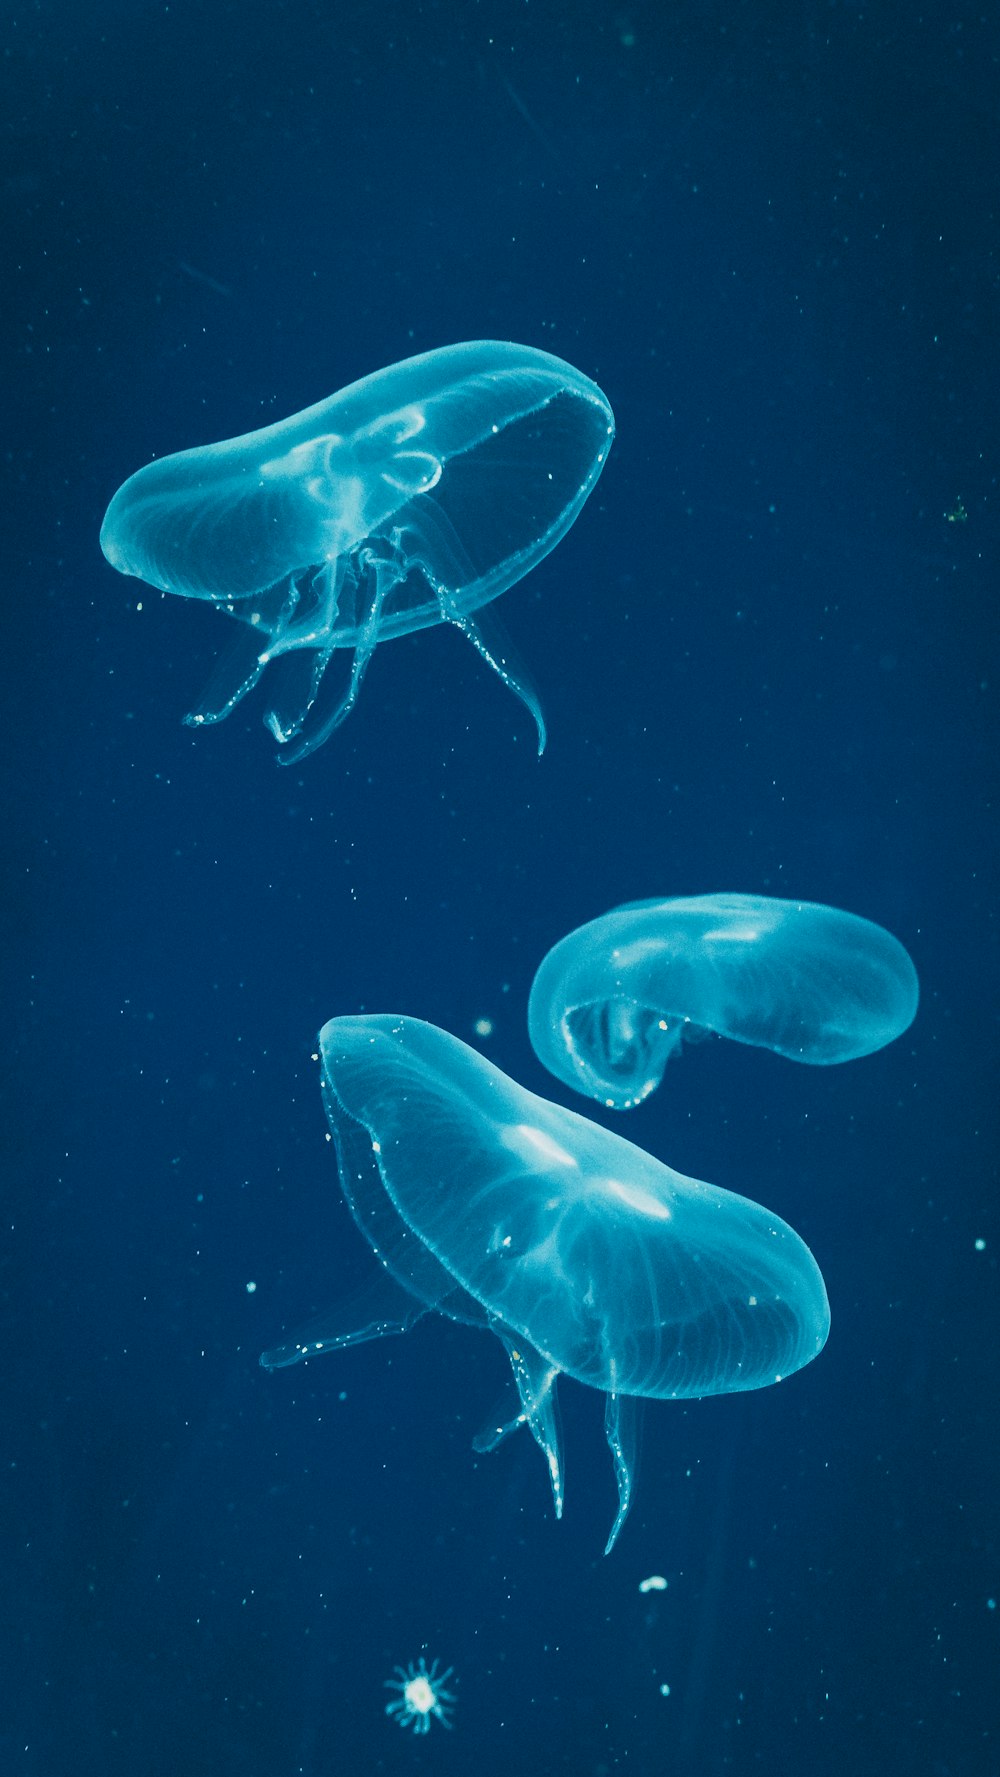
column 422, row 1695
column 634, row 1197
column 734, row 934
column 539, row 1145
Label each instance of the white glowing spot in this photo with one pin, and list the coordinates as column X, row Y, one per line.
column 734, row 934
column 655, row 1583
column 661, row 1024
column 980, row 1246
column 422, row 1695
column 251, row 1287
column 752, row 1301
column 376, row 1147
column 664, row 1690
column 638, row 953
column 483, row 1027
column 643, row 1202
column 538, row 1143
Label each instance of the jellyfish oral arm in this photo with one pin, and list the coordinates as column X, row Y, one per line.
column 380, row 1308
column 536, row 1380
column 372, row 579
column 486, row 633
column 536, row 1377
column 621, row 1428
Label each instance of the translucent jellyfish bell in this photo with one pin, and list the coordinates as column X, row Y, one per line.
column 584, row 1255
column 613, row 1000
column 415, row 496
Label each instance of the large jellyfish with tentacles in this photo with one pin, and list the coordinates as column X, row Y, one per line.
column 413, row 497
column 582, row 1254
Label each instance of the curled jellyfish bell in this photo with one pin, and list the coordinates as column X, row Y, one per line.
column 613, row 1000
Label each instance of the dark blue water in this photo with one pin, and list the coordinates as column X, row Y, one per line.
column 767, row 656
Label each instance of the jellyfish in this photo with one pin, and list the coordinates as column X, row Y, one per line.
column 422, row 1695
column 613, row 1000
column 582, row 1254
column 415, row 496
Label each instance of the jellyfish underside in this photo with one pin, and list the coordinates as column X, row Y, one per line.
column 385, row 1306
column 632, row 1044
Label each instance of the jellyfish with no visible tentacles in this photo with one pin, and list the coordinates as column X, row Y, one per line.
column 413, row 497
column 582, row 1254
column 613, row 1000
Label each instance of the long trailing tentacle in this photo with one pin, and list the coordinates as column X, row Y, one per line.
column 489, row 638
column 621, row 1428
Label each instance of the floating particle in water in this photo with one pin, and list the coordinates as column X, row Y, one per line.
column 422, row 1694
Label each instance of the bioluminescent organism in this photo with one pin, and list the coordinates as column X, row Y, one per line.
column 413, row 497
column 422, row 1695
column 613, row 1000
column 584, row 1255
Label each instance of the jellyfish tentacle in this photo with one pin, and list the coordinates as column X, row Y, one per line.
column 234, row 675
column 380, row 576
column 621, row 1428
column 381, row 1307
column 536, row 1377
column 261, row 617
column 490, row 640
column 507, row 1416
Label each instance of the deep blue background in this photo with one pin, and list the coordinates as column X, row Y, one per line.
column 767, row 656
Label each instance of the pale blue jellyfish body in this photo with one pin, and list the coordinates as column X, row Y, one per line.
column 413, row 497
column 584, row 1255
column 613, row 1000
